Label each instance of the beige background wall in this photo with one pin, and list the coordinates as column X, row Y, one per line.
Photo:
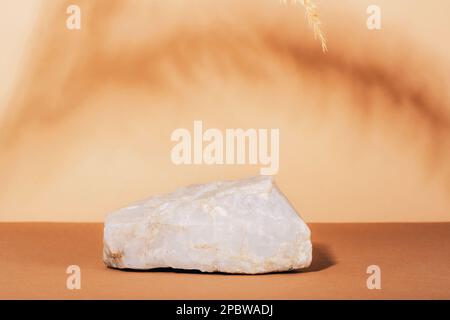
column 86, row 116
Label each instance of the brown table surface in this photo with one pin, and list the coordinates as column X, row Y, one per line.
column 414, row 261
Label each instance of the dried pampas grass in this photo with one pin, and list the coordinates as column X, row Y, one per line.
column 313, row 19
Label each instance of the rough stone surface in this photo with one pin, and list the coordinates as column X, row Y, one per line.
column 245, row 226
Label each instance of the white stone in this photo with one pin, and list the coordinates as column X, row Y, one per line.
column 245, row 226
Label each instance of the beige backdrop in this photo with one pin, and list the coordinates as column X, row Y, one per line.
column 86, row 116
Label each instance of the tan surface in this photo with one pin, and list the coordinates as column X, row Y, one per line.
column 414, row 259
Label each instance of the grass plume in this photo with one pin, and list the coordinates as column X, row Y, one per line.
column 313, row 20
